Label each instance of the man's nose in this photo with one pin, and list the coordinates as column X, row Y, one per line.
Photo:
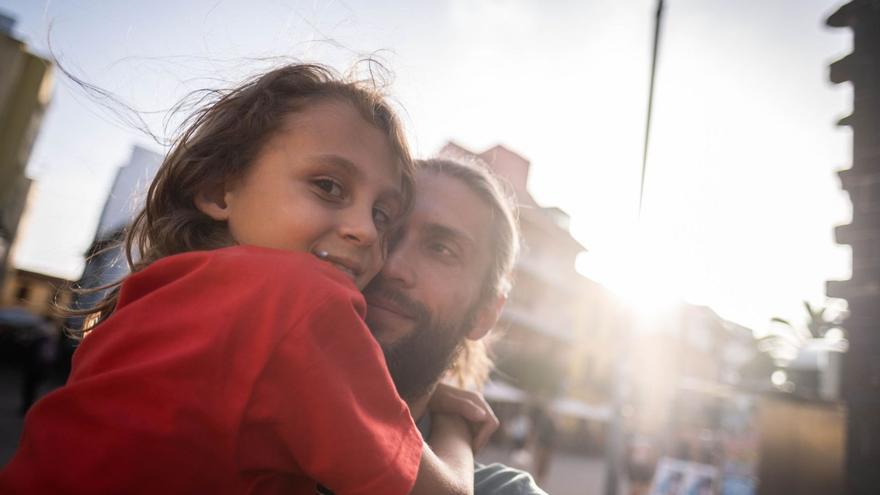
column 399, row 266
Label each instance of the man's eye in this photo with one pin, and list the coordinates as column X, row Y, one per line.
column 329, row 187
column 442, row 250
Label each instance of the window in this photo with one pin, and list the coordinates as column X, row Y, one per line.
column 23, row 292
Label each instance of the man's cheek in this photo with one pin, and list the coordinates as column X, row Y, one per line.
column 387, row 327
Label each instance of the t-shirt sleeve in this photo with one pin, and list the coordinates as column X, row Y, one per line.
column 498, row 479
column 327, row 403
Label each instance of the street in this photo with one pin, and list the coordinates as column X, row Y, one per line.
column 568, row 474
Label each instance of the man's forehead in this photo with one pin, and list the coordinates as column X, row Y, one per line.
column 446, row 205
column 439, row 230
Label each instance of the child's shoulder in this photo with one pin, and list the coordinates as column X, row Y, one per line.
column 241, row 276
column 276, row 262
column 259, row 257
column 242, row 266
column 270, row 277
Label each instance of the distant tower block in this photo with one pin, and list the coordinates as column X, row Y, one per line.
column 862, row 181
column 25, row 90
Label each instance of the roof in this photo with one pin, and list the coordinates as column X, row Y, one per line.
column 514, row 169
column 42, row 276
column 504, row 163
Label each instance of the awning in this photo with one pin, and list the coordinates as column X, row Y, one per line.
column 498, row 391
column 501, row 392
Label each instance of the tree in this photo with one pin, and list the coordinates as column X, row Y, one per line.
column 821, row 335
column 817, row 323
column 786, row 340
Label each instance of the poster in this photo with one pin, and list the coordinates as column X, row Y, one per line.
column 677, row 477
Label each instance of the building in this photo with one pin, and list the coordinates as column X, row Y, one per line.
column 105, row 259
column 681, row 361
column 38, row 293
column 554, row 344
column 861, row 375
column 25, row 89
column 598, row 320
column 686, row 367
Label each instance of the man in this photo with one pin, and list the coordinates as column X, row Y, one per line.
column 442, row 290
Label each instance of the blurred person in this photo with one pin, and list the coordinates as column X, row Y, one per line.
column 640, row 462
column 31, row 341
column 441, row 292
column 544, row 433
column 234, row 358
column 39, row 358
column 518, row 429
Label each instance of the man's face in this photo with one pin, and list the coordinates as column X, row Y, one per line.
column 426, row 299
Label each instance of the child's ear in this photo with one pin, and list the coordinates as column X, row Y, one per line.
column 211, row 201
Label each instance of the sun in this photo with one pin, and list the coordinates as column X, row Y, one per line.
column 639, row 270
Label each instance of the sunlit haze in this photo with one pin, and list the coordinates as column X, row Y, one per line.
column 741, row 195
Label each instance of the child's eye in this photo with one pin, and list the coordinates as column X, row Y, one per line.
column 329, row 187
column 381, row 218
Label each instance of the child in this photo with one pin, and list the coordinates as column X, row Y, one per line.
column 236, row 359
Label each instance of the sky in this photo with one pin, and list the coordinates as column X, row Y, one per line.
column 741, row 194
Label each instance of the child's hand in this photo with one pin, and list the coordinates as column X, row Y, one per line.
column 447, row 399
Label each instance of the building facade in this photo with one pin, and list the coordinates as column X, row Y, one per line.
column 25, row 90
column 105, row 260
column 38, row 293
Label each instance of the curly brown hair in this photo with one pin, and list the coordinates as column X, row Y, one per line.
column 218, row 143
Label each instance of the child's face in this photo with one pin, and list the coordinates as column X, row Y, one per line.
column 328, row 181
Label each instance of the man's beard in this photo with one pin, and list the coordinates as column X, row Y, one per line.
column 418, row 360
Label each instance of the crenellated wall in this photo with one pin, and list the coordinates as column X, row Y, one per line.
column 861, row 181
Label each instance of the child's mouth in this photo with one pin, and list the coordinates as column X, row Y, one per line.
column 343, row 265
column 344, row 270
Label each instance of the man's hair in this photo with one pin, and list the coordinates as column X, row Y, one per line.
column 472, row 366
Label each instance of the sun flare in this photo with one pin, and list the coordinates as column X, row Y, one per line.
column 646, row 278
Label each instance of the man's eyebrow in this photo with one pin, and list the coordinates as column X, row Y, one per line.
column 439, row 230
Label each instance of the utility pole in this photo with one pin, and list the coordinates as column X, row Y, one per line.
column 657, row 22
column 614, row 451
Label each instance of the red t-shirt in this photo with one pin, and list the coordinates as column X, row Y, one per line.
column 239, row 370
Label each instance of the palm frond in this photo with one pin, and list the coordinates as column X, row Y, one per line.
column 783, row 321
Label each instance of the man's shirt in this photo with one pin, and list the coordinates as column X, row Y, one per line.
column 495, row 478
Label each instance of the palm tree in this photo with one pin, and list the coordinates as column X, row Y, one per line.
column 822, row 334
column 817, row 324
column 786, row 340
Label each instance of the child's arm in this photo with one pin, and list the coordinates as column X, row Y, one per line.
column 469, row 405
column 448, row 465
column 461, row 424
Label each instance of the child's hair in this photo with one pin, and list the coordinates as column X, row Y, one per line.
column 219, row 142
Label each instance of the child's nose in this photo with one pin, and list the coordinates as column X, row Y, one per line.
column 359, row 227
